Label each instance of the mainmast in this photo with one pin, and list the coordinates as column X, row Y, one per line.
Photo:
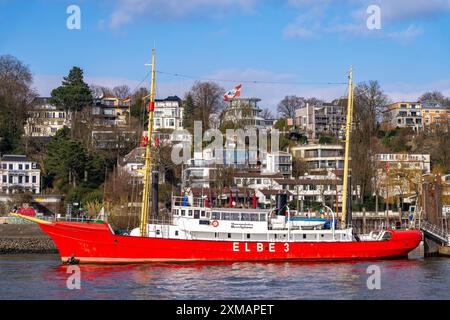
column 148, row 154
column 347, row 147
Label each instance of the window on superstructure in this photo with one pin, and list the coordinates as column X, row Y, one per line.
column 215, row 215
column 248, row 235
column 183, row 213
column 190, row 213
column 253, row 217
column 202, row 214
column 236, row 216
column 226, row 215
column 245, row 217
column 262, row 217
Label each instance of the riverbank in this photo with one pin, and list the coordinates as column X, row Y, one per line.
column 24, row 238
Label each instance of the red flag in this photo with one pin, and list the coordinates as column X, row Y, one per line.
column 254, row 201
column 233, row 93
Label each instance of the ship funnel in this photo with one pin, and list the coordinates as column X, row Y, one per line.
column 281, row 202
column 155, row 193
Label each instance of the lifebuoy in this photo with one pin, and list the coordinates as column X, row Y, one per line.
column 215, row 223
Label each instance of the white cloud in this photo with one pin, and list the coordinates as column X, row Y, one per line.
column 354, row 23
column 407, row 34
column 127, row 10
column 402, row 91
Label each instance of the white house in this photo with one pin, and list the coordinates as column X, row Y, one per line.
column 19, row 174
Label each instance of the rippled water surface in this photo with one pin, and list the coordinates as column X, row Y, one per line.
column 43, row 277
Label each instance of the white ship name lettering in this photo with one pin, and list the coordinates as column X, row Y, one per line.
column 257, row 246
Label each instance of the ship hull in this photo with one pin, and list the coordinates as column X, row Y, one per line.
column 96, row 244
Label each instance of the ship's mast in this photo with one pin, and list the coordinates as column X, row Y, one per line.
column 148, row 155
column 348, row 130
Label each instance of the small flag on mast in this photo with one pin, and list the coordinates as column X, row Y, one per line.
column 233, row 93
column 127, row 99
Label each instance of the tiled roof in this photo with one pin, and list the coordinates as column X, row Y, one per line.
column 15, row 158
column 305, row 181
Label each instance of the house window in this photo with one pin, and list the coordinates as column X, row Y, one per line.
column 33, row 179
column 4, row 179
column 20, row 166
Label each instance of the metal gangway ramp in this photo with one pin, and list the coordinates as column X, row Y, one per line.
column 434, row 232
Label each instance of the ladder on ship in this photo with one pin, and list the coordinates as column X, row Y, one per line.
column 434, row 232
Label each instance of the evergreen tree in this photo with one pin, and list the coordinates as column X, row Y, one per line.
column 188, row 112
column 73, row 95
column 69, row 165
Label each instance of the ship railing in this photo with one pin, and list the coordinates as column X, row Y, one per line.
column 188, row 202
column 76, row 219
column 161, row 221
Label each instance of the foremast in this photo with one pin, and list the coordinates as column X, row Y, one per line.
column 148, row 154
column 348, row 129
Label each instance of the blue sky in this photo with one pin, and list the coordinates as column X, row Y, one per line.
column 312, row 41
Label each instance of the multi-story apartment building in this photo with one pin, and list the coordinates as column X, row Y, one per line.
column 245, row 111
column 110, row 112
column 434, row 114
column 19, row 174
column 320, row 157
column 278, row 162
column 404, row 115
column 45, row 119
column 407, row 161
column 168, row 113
column 399, row 175
column 322, row 119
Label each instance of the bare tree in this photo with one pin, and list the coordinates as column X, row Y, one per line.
column 16, row 98
column 286, row 108
column 121, row 92
column 369, row 103
column 434, row 96
column 207, row 97
column 267, row 114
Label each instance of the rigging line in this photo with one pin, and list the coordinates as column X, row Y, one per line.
column 142, row 81
column 250, row 81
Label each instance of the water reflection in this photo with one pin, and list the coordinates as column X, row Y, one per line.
column 39, row 277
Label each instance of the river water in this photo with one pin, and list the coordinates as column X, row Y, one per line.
column 43, row 277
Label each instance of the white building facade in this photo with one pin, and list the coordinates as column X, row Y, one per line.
column 18, row 174
column 168, row 113
column 45, row 119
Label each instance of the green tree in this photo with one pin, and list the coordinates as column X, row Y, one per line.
column 69, row 165
column 73, row 95
column 188, row 112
